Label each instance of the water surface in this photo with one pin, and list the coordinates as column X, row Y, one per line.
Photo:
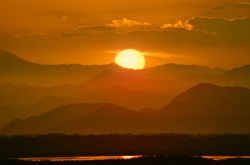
column 80, row 158
column 123, row 157
column 224, row 157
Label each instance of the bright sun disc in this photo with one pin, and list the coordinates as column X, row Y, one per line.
column 131, row 59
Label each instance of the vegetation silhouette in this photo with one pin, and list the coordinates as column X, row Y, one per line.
column 123, row 144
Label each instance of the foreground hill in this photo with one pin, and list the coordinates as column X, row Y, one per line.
column 205, row 108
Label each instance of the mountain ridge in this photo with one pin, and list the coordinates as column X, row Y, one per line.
column 42, row 74
column 210, row 93
column 217, row 116
column 18, row 70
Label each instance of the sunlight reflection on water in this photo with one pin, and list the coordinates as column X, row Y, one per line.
column 224, row 157
column 80, row 158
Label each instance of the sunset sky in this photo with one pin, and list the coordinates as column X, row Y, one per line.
column 214, row 33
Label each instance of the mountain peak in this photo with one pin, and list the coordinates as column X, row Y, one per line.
column 239, row 71
column 205, row 93
column 7, row 58
column 181, row 70
column 205, row 86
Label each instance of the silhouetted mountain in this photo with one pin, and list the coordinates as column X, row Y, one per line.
column 238, row 76
column 8, row 59
column 174, row 71
column 71, row 114
column 154, row 86
column 131, row 79
column 8, row 113
column 208, row 108
column 126, row 97
column 22, row 101
column 205, row 108
column 15, row 69
column 21, row 94
column 210, row 94
column 148, row 88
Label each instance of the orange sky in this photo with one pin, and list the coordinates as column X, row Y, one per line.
column 209, row 32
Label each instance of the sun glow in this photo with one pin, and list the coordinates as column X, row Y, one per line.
column 131, row 59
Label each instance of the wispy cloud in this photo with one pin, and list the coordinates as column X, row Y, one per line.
column 64, row 18
column 127, row 23
column 226, row 6
column 172, row 58
column 228, row 10
column 178, row 25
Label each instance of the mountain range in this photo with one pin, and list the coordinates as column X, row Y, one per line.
column 227, row 111
column 30, row 89
column 18, row 70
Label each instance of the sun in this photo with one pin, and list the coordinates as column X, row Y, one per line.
column 130, row 59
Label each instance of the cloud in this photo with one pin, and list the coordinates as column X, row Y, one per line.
column 127, row 23
column 178, row 25
column 183, row 44
column 195, row 32
column 64, row 18
column 38, row 34
column 116, row 26
column 209, row 31
column 228, row 31
column 31, row 34
column 226, row 6
column 242, row 5
column 16, row 35
column 228, row 10
column 88, row 30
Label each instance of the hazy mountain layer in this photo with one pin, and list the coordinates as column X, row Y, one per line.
column 136, row 89
column 17, row 70
column 190, row 112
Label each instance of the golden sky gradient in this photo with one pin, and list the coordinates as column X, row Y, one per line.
column 208, row 32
